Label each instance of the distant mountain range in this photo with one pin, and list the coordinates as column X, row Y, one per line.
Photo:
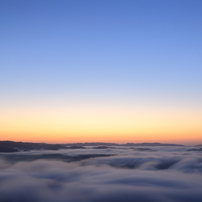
column 11, row 146
column 127, row 144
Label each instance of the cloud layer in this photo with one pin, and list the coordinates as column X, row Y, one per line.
column 105, row 174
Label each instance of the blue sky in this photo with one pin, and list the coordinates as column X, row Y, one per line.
column 101, row 51
column 147, row 46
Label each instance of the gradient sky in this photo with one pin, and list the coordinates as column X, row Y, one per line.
column 104, row 70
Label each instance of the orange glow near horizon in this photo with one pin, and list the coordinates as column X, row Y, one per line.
column 100, row 124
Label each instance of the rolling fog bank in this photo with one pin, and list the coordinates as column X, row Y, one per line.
column 102, row 173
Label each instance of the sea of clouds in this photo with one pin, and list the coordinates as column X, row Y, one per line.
column 113, row 174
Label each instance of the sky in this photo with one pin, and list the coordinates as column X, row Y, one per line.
column 101, row 71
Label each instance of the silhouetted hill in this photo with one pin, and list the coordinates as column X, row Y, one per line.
column 152, row 144
column 94, row 144
column 127, row 144
column 11, row 146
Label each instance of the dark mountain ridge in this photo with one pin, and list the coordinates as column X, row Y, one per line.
column 11, row 146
